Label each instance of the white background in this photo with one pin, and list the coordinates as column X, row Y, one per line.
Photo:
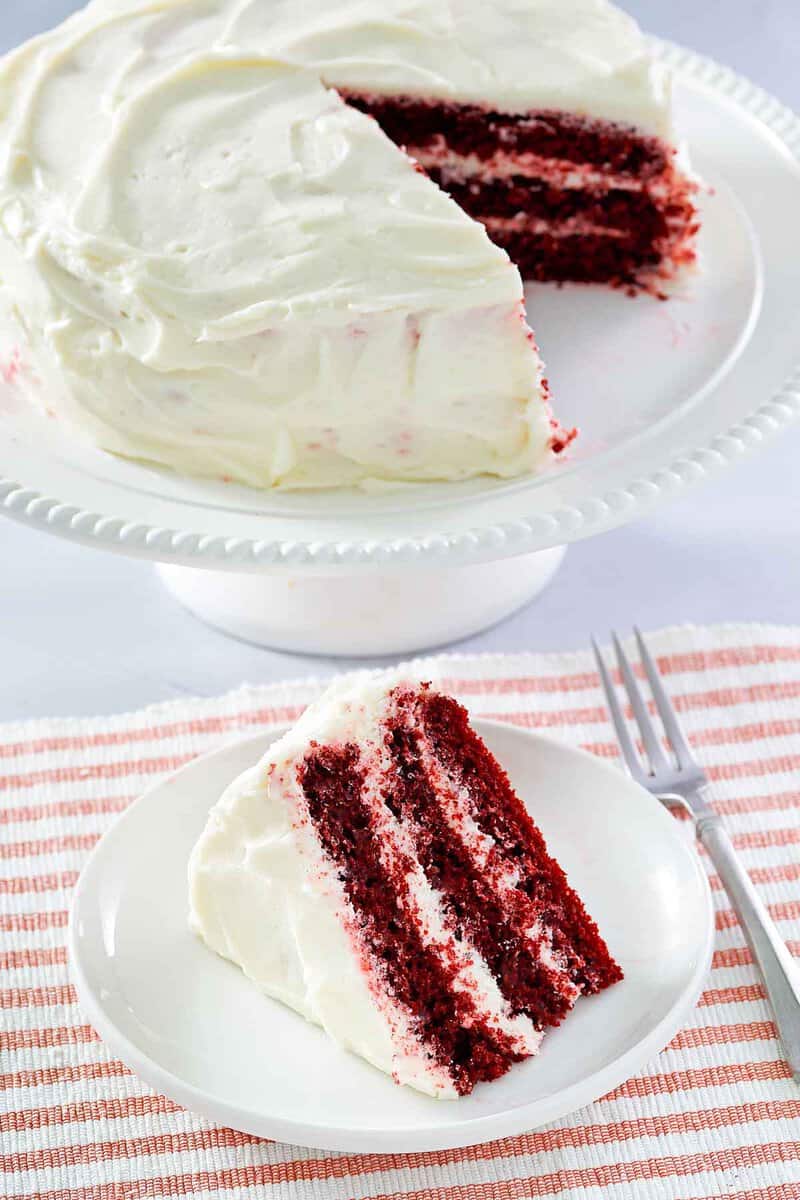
column 84, row 632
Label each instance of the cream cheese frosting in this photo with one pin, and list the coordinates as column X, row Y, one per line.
column 262, row 894
column 212, row 264
column 585, row 56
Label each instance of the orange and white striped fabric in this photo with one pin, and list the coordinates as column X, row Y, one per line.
column 716, row 1115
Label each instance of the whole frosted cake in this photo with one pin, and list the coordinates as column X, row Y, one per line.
column 377, row 873
column 213, row 260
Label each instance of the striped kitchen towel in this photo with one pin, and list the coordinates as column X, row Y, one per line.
column 716, row 1115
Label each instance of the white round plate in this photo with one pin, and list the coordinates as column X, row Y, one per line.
column 663, row 393
column 192, row 1026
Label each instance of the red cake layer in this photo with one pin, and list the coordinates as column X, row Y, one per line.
column 469, row 129
column 454, row 817
column 619, row 209
column 499, row 813
column 578, row 258
column 474, row 911
column 417, row 977
column 571, row 183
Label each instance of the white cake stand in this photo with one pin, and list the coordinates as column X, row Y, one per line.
column 665, row 394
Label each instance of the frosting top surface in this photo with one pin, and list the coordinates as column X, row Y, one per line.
column 149, row 154
column 586, row 56
column 161, row 147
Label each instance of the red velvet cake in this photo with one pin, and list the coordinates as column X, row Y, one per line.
column 378, row 873
column 281, row 249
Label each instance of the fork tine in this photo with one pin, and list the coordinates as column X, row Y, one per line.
column 629, row 751
column 669, row 719
column 652, row 746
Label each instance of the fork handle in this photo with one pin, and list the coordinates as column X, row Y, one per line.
column 780, row 971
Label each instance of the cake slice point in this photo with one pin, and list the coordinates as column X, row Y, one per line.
column 377, row 873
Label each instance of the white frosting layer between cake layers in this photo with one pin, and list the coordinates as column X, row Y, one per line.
column 215, row 265
column 263, row 894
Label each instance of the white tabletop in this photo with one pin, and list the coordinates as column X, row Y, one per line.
column 85, row 632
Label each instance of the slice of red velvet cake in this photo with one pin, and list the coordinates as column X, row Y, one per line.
column 377, row 873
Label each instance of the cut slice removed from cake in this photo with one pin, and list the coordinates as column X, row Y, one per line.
column 377, row 873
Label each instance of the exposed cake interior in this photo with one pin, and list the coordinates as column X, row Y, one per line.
column 421, row 978
column 569, row 197
column 430, row 786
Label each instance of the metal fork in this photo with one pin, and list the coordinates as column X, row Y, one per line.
column 679, row 781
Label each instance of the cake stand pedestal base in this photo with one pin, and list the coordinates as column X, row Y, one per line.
column 367, row 614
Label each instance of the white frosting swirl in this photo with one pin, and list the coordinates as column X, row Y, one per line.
column 585, row 56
